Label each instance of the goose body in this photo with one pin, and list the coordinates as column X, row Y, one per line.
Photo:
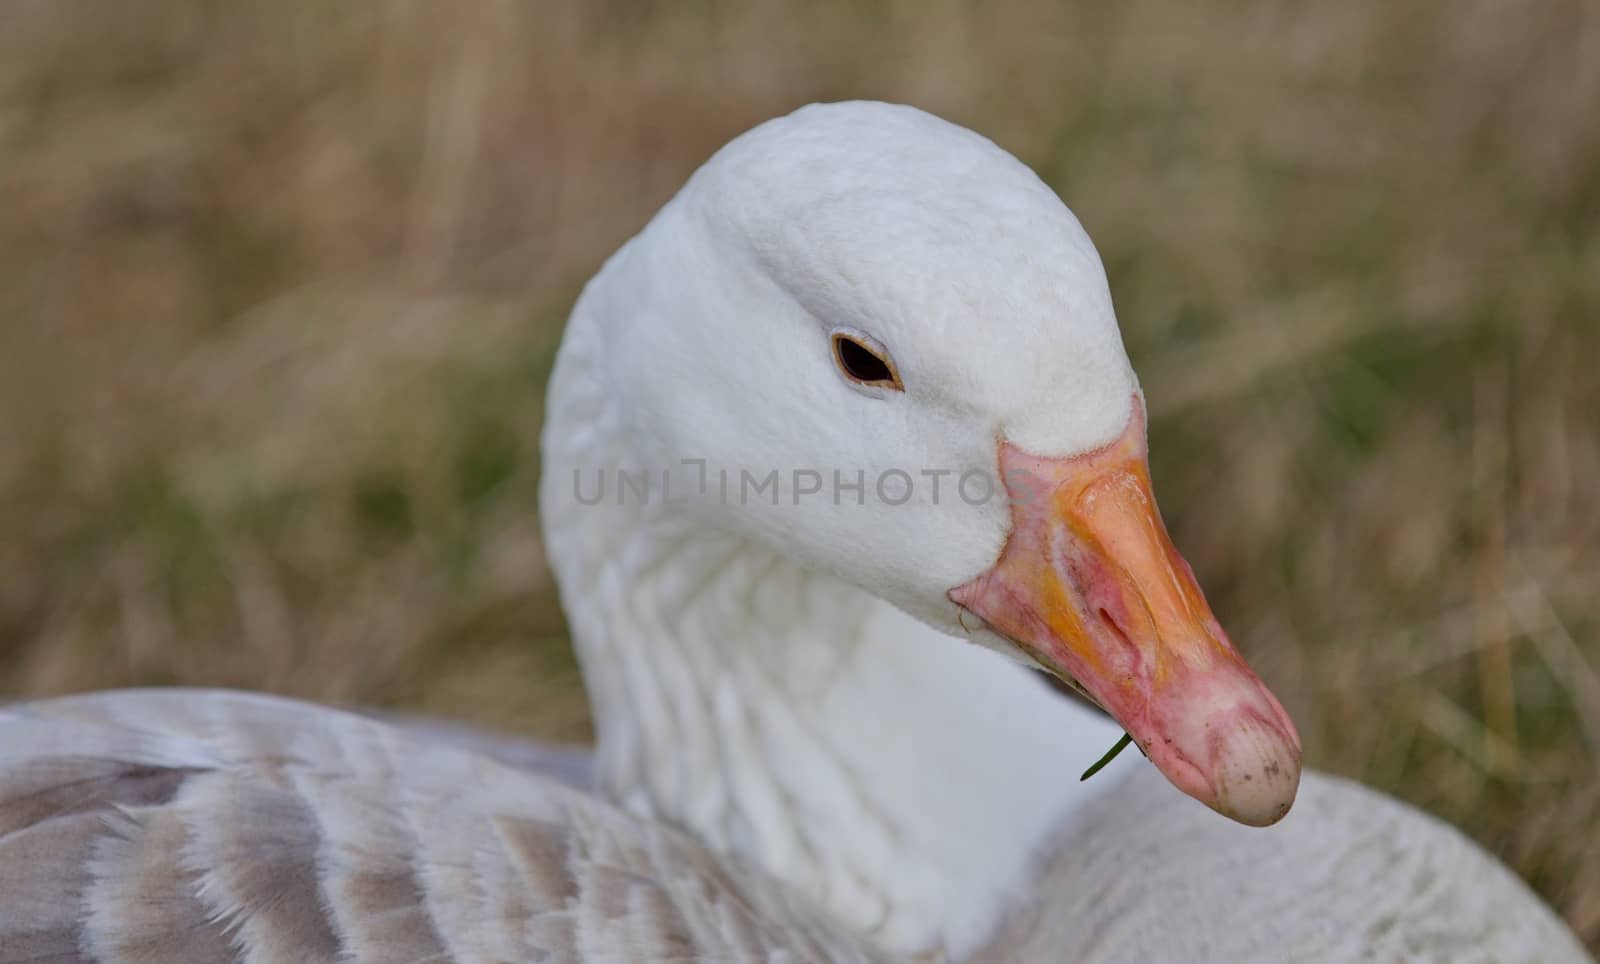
column 807, row 750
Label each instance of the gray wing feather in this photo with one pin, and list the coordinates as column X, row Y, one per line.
column 569, row 764
column 199, row 826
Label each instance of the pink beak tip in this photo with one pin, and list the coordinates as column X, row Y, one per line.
column 1257, row 773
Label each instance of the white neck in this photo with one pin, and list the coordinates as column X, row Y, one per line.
column 900, row 778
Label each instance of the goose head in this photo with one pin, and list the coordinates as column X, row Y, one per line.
column 879, row 344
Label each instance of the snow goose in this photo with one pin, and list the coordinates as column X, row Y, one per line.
column 838, row 447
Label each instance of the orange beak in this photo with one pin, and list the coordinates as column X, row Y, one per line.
column 1090, row 586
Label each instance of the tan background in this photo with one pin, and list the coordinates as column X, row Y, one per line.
column 279, row 285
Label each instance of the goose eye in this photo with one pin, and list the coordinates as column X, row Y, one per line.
column 865, row 363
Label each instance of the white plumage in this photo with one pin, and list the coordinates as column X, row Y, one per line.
column 798, row 762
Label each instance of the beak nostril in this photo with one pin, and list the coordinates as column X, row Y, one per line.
column 1112, row 626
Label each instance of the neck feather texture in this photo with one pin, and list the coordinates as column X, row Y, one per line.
column 903, row 780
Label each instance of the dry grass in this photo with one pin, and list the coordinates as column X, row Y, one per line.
column 279, row 285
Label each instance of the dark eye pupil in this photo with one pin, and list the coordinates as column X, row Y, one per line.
column 860, row 362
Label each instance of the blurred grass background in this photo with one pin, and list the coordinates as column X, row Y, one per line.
column 280, row 284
